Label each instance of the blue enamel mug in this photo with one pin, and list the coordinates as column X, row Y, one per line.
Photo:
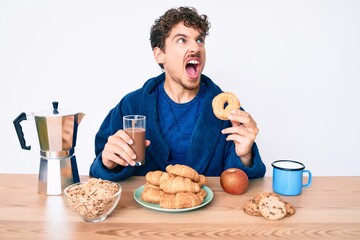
column 288, row 177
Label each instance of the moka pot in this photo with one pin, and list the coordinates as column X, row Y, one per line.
column 57, row 131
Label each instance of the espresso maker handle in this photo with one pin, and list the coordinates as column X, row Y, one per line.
column 19, row 130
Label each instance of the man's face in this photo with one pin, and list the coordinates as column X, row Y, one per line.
column 183, row 57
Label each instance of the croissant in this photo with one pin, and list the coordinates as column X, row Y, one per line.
column 202, row 180
column 201, row 194
column 149, row 185
column 156, row 177
column 151, row 193
column 167, row 201
column 183, row 171
column 179, row 184
column 179, row 200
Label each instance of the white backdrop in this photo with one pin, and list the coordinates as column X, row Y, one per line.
column 295, row 66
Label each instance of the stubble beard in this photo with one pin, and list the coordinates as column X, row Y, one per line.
column 190, row 86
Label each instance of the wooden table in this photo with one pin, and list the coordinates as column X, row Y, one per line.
column 328, row 209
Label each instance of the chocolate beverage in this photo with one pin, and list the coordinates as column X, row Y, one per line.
column 138, row 135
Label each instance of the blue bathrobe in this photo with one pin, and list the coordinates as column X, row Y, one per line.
column 209, row 154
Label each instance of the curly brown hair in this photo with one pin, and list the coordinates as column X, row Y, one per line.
column 161, row 28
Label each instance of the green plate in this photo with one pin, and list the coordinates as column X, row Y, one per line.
column 153, row 206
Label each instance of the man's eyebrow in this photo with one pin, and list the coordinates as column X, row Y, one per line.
column 201, row 35
column 179, row 35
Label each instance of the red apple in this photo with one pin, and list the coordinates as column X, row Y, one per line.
column 234, row 181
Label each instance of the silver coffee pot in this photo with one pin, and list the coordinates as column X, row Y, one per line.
column 57, row 131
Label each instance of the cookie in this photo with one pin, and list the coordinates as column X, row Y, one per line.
column 272, row 208
column 259, row 196
column 290, row 209
column 251, row 208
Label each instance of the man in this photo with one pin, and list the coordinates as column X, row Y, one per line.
column 181, row 126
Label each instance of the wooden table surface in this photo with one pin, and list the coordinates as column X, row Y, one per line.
column 328, row 209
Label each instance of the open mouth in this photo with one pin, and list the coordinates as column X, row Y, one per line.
column 192, row 68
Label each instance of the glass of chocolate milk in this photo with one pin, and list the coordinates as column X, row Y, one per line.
column 135, row 127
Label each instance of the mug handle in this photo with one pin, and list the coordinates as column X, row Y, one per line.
column 309, row 179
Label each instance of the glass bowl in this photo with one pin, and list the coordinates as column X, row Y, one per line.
column 93, row 200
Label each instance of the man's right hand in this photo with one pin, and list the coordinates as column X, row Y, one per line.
column 117, row 150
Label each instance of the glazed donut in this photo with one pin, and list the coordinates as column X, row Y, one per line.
column 218, row 104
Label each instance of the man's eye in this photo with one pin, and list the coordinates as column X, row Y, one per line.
column 181, row 40
column 201, row 40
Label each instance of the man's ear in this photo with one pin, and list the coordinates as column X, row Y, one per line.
column 159, row 55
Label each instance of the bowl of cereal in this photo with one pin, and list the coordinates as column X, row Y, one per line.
column 93, row 200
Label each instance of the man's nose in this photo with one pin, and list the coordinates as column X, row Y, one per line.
column 194, row 46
